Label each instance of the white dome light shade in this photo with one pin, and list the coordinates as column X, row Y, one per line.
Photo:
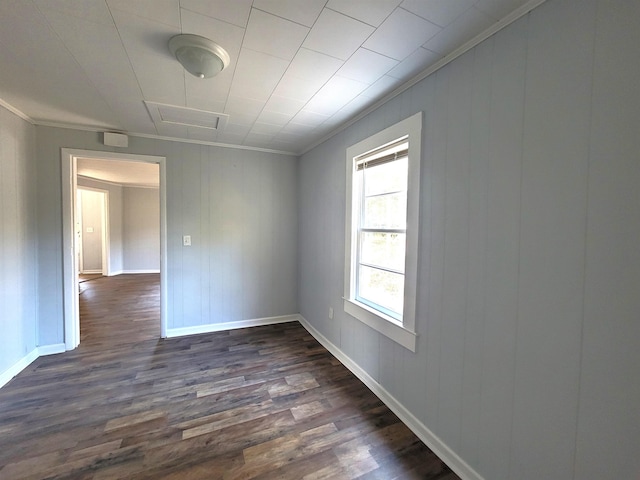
column 198, row 55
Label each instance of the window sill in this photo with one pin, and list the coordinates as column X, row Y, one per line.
column 383, row 324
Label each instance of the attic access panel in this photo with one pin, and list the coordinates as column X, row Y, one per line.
column 191, row 117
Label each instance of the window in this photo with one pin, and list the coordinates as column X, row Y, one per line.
column 382, row 230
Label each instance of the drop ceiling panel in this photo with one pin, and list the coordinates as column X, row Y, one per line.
column 298, row 88
column 440, row 12
column 285, row 37
column 273, row 118
column 308, row 64
column 161, row 11
column 472, row 22
column 111, row 71
column 254, row 65
column 160, row 77
column 499, row 8
column 401, row 34
column 283, row 105
column 303, row 12
column 225, row 34
column 371, row 12
column 414, row 64
column 303, row 66
column 337, row 35
column 95, row 12
column 366, row 66
column 334, row 95
column 235, row 12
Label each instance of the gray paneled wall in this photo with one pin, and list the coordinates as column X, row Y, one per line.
column 18, row 241
column 239, row 207
column 529, row 273
column 115, row 220
column 141, row 229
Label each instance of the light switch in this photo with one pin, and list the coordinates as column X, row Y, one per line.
column 186, row 240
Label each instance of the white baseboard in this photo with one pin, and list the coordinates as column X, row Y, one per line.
column 17, row 367
column 446, row 454
column 217, row 327
column 91, row 272
column 51, row 349
column 129, row 272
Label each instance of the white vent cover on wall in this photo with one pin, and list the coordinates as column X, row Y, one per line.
column 190, row 117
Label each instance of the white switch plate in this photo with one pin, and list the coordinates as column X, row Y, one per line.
column 186, row 240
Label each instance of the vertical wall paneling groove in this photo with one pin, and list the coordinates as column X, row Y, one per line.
column 18, row 245
column 456, row 247
column 552, row 241
column 478, row 232
column 608, row 414
column 437, row 148
column 503, row 227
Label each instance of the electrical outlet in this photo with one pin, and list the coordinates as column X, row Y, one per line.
column 330, row 313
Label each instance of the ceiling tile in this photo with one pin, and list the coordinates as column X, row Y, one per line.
column 383, row 86
column 401, row 34
column 440, row 12
column 273, row 118
column 414, row 64
column 236, row 129
column 466, row 26
column 337, row 35
column 334, row 95
column 159, row 75
column 241, row 105
column 499, row 9
column 266, row 128
column 236, row 12
column 260, row 140
column 89, row 11
column 161, row 11
column 226, row 35
column 285, row 37
column 366, row 66
column 372, row 12
column 254, row 65
column 287, row 106
column 303, row 12
column 298, row 88
column 309, row 65
column 306, row 117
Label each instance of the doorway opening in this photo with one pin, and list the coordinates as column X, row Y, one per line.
column 112, row 253
column 92, row 231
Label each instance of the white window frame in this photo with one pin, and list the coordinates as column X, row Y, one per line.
column 401, row 331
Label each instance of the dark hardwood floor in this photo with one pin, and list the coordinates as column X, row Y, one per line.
column 258, row 403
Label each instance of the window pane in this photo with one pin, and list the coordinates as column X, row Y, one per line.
column 383, row 288
column 386, row 211
column 388, row 177
column 383, row 249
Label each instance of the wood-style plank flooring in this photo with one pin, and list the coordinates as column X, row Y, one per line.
column 257, row 403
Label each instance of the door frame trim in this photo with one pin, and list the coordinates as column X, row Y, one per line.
column 71, row 313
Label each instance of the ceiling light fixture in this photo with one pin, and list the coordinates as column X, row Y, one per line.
column 199, row 56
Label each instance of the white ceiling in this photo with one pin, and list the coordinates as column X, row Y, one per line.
column 299, row 68
column 125, row 173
